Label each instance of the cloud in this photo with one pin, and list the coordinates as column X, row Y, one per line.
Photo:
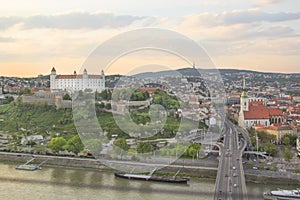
column 267, row 2
column 237, row 17
column 74, row 20
column 273, row 31
column 6, row 39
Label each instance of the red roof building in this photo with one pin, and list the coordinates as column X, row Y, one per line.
column 256, row 112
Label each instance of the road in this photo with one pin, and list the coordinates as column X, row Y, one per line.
column 230, row 182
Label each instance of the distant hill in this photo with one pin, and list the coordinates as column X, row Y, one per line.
column 193, row 72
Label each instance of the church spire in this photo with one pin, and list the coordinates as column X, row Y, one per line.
column 244, row 93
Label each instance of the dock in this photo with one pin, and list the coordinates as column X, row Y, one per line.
column 29, row 166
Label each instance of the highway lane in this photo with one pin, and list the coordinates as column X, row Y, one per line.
column 230, row 182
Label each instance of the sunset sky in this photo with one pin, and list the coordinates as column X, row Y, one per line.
column 36, row 35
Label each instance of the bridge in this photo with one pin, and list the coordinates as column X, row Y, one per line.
column 230, row 182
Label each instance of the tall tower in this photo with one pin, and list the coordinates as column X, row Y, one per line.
column 102, row 81
column 244, row 98
column 244, row 102
column 85, row 79
column 52, row 79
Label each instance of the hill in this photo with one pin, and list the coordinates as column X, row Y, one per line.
column 195, row 72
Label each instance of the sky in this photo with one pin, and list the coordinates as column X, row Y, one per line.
column 35, row 35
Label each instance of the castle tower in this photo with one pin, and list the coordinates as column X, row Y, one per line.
column 101, row 83
column 52, row 79
column 103, row 77
column 85, row 80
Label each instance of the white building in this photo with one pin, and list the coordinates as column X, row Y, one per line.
column 77, row 82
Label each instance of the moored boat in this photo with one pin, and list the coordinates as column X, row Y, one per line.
column 28, row 167
column 282, row 195
column 151, row 178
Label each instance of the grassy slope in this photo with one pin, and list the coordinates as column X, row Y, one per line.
column 38, row 119
column 44, row 120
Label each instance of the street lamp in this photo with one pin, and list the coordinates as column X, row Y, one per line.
column 256, row 145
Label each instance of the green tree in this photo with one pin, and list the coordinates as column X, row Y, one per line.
column 8, row 99
column 274, row 168
column 104, row 95
column 67, row 97
column 121, row 142
column 287, row 154
column 26, row 91
column 40, row 149
column 139, row 96
column 108, row 106
column 144, row 147
column 101, row 105
column 297, row 171
column 253, row 141
column 167, row 101
column 122, row 146
column 265, row 137
column 270, row 148
column 75, row 144
column 57, row 144
column 292, row 139
column 286, row 141
column 261, row 166
column 193, row 150
column 250, row 164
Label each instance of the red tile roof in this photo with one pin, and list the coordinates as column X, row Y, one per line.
column 257, row 112
column 261, row 112
column 74, row 76
column 256, row 103
column 275, row 112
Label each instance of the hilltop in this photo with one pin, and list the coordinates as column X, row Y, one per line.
column 195, row 72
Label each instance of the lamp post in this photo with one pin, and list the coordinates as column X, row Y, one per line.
column 256, row 145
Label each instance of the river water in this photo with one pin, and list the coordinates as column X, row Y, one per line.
column 70, row 184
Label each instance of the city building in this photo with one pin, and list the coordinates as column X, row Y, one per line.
column 253, row 111
column 76, row 82
column 278, row 130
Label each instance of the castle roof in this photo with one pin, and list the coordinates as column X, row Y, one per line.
column 53, row 69
column 74, row 76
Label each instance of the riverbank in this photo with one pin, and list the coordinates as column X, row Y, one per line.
column 93, row 164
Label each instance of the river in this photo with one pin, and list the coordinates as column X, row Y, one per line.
column 72, row 184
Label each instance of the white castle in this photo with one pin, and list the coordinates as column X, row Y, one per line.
column 76, row 82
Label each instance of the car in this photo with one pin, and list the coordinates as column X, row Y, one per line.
column 255, row 168
column 233, row 167
column 235, row 185
column 234, row 175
